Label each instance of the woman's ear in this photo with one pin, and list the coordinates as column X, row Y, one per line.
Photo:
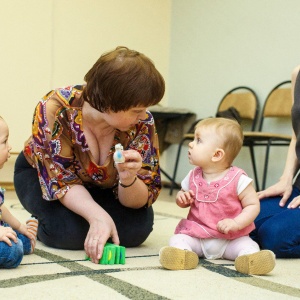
column 218, row 155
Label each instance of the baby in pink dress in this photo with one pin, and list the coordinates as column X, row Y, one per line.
column 223, row 205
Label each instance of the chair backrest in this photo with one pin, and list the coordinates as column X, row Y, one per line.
column 278, row 103
column 245, row 101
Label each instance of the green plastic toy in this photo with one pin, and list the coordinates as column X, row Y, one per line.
column 112, row 255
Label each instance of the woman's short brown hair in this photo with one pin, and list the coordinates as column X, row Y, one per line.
column 122, row 79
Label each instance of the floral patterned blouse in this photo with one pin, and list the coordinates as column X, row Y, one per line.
column 59, row 151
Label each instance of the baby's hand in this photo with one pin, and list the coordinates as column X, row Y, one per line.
column 226, row 225
column 7, row 234
column 24, row 230
column 184, row 198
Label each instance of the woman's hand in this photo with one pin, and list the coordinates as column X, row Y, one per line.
column 101, row 229
column 132, row 191
column 128, row 170
column 281, row 188
column 7, row 234
column 294, row 203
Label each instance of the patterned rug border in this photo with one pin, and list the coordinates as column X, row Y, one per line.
column 131, row 291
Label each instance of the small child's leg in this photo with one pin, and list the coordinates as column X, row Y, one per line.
column 32, row 226
column 11, row 256
column 240, row 246
column 180, row 255
column 186, row 242
column 248, row 257
column 258, row 263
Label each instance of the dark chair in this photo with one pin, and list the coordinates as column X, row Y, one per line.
column 244, row 100
column 277, row 106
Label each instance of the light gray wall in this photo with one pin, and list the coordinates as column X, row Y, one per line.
column 219, row 44
column 52, row 43
column 202, row 47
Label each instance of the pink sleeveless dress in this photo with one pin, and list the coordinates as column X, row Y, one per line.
column 213, row 202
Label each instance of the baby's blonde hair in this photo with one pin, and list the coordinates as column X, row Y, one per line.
column 230, row 135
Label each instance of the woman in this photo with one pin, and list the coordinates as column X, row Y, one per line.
column 278, row 224
column 68, row 159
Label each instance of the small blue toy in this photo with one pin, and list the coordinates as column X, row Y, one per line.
column 118, row 155
column 112, row 255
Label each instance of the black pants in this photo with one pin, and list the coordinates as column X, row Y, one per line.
column 60, row 228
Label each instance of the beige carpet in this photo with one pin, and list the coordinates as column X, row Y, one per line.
column 60, row 274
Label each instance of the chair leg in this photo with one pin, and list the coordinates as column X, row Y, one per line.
column 173, row 181
column 266, row 165
column 252, row 155
column 168, row 176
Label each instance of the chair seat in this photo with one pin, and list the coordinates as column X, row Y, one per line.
column 188, row 136
column 244, row 101
column 257, row 135
column 264, row 136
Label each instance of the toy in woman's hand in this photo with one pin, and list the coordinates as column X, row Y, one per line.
column 112, row 255
column 118, row 155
